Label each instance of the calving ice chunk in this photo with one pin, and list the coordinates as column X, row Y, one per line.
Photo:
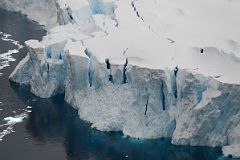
column 151, row 69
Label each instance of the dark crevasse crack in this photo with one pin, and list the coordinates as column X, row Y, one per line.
column 108, row 64
column 90, row 69
column 60, row 55
column 90, row 76
column 135, row 10
column 110, row 77
column 69, row 12
column 175, row 83
column 48, row 70
column 146, row 107
column 124, row 72
column 49, row 54
column 114, row 17
column 125, row 51
column 162, row 88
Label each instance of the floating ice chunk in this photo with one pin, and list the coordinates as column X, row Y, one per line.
column 10, row 122
column 13, row 120
column 6, row 38
column 6, row 35
column 29, row 107
column 5, row 58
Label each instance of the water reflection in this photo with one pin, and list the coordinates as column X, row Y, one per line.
column 54, row 121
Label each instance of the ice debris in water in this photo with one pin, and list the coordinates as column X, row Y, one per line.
column 10, row 122
column 29, row 107
column 5, row 58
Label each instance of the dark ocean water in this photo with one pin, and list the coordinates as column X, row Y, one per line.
column 52, row 129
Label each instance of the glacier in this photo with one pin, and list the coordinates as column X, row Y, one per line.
column 123, row 70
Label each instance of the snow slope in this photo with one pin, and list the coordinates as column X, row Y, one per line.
column 156, row 68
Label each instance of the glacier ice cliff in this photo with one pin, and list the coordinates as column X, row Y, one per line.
column 205, row 113
column 123, row 73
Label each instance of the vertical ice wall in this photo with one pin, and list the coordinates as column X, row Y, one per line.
column 141, row 102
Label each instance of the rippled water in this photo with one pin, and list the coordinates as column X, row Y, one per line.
column 44, row 129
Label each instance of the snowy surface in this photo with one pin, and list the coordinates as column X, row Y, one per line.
column 202, row 23
column 174, row 37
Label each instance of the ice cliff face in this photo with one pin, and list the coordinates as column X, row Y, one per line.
column 125, row 72
column 43, row 72
column 145, row 103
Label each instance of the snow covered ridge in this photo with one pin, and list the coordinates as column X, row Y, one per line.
column 167, row 76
